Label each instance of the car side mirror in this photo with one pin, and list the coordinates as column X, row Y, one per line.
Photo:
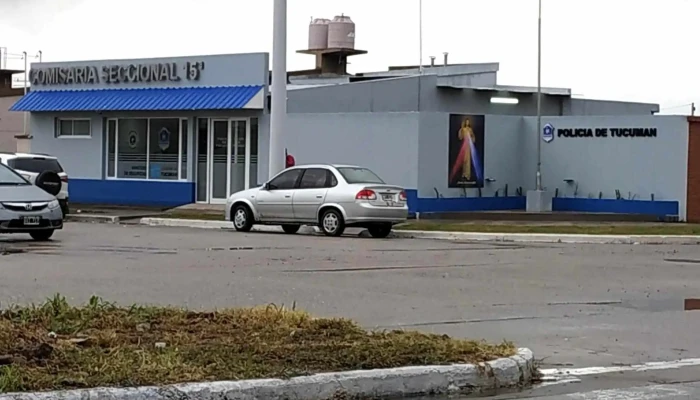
column 266, row 186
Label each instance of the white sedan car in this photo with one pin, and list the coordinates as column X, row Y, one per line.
column 332, row 197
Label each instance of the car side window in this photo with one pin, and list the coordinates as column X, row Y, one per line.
column 314, row 178
column 286, row 180
column 331, row 179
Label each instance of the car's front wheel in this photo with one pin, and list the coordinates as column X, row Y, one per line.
column 332, row 222
column 242, row 218
column 42, row 236
column 380, row 230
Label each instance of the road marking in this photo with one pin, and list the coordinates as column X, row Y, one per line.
column 650, row 366
column 635, row 393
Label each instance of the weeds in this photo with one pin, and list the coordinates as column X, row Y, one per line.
column 57, row 346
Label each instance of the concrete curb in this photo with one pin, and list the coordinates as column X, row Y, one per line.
column 379, row 383
column 225, row 225
column 473, row 236
column 549, row 237
column 94, row 218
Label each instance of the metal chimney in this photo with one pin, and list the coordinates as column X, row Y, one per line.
column 432, row 61
column 445, row 54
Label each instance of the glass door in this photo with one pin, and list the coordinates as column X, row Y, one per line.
column 239, row 155
column 220, row 153
column 202, row 165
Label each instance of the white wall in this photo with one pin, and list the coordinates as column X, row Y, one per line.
column 80, row 157
column 502, row 156
column 386, row 143
column 638, row 167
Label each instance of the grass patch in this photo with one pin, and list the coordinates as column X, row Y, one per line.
column 57, row 346
column 588, row 229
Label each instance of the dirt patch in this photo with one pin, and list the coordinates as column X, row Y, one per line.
column 57, row 346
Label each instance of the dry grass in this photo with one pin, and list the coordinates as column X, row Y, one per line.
column 58, row 346
column 587, row 229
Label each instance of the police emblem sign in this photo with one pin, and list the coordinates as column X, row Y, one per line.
column 164, row 139
column 548, row 133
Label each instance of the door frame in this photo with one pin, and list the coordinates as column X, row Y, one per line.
column 231, row 149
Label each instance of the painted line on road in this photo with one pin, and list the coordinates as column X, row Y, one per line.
column 650, row 366
column 650, row 392
column 561, row 376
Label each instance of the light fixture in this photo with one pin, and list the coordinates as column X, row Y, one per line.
column 504, row 100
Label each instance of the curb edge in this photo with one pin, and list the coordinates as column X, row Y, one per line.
column 385, row 383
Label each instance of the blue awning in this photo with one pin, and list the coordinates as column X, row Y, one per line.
column 148, row 99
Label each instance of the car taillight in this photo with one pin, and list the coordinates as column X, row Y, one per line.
column 366, row 194
column 402, row 196
column 64, row 179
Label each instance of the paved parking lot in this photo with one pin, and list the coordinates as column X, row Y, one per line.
column 574, row 305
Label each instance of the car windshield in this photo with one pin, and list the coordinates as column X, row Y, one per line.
column 359, row 175
column 35, row 164
column 8, row 177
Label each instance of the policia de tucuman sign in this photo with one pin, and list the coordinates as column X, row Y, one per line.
column 549, row 132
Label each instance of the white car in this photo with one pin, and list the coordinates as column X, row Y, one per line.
column 31, row 166
column 331, row 197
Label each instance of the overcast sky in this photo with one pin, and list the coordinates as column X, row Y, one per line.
column 638, row 50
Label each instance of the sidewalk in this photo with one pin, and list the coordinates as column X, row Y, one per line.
column 441, row 235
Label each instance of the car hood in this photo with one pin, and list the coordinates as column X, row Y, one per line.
column 23, row 193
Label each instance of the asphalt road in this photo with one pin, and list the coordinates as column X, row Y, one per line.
column 573, row 305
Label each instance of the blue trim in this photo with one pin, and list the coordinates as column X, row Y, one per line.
column 457, row 204
column 142, row 99
column 642, row 207
column 131, row 192
column 465, row 204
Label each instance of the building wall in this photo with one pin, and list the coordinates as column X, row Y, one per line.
column 693, row 198
column 503, row 142
column 387, row 143
column 401, row 95
column 11, row 124
column 636, row 167
column 604, row 107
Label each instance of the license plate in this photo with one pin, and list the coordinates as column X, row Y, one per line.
column 388, row 197
column 30, row 221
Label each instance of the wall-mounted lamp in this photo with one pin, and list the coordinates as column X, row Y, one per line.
column 490, row 180
column 504, row 100
column 569, row 181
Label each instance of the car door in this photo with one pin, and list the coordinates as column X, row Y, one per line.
column 310, row 194
column 274, row 200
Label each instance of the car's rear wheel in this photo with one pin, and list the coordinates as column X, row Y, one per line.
column 291, row 229
column 332, row 222
column 380, row 230
column 242, row 218
column 42, row 236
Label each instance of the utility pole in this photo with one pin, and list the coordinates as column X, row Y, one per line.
column 420, row 35
column 279, row 88
column 538, row 178
column 26, row 78
column 538, row 200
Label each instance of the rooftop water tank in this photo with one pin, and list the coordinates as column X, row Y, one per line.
column 318, row 34
column 341, row 33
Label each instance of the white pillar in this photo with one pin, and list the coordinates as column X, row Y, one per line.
column 279, row 88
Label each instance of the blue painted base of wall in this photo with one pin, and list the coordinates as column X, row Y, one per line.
column 641, row 207
column 659, row 209
column 131, row 193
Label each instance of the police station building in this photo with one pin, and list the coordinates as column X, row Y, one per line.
column 173, row 131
